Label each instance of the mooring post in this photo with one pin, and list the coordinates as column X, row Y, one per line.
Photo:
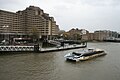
column 86, row 44
column 36, row 47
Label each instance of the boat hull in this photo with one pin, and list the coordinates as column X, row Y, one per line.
column 84, row 56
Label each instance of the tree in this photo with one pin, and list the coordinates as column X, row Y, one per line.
column 76, row 36
column 66, row 36
column 35, row 34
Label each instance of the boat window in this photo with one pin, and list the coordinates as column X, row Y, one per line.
column 76, row 53
column 90, row 50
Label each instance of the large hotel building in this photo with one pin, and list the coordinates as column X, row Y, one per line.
column 26, row 22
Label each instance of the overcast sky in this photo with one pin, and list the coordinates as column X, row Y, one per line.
column 83, row 14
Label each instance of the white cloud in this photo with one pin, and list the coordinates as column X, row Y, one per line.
column 88, row 14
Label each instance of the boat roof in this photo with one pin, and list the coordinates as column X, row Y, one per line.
column 86, row 50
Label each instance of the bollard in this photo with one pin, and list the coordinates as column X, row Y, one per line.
column 36, row 47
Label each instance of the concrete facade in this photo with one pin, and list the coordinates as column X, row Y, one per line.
column 100, row 35
column 32, row 19
column 105, row 34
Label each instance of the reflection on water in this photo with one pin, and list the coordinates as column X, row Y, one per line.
column 52, row 66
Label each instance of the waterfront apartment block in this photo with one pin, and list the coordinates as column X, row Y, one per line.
column 104, row 34
column 75, row 34
column 27, row 22
column 100, row 35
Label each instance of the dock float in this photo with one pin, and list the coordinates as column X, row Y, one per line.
column 37, row 48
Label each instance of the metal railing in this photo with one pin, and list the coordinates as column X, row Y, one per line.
column 16, row 48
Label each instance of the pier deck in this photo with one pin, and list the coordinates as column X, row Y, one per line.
column 4, row 49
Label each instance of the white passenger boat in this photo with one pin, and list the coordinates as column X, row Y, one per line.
column 84, row 54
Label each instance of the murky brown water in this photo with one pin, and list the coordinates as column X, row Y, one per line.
column 52, row 66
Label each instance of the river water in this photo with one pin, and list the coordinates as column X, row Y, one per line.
column 52, row 66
